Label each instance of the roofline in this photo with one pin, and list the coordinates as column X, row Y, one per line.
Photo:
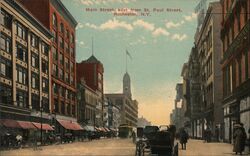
column 20, row 9
column 66, row 11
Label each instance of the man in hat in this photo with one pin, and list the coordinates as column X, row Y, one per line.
column 239, row 138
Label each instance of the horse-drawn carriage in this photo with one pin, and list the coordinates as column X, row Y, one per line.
column 156, row 141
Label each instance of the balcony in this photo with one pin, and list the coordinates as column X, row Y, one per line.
column 238, row 43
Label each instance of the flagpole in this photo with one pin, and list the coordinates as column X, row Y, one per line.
column 126, row 61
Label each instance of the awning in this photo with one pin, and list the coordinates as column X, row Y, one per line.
column 70, row 125
column 44, row 126
column 97, row 129
column 10, row 123
column 107, row 130
column 26, row 125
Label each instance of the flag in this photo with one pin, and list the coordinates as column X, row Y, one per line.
column 128, row 54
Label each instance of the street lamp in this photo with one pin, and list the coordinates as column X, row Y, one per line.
column 41, row 121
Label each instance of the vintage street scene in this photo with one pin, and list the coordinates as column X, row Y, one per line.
column 124, row 77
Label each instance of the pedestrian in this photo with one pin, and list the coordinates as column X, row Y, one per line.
column 240, row 137
column 217, row 131
column 183, row 136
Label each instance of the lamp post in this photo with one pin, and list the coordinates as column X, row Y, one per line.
column 41, row 121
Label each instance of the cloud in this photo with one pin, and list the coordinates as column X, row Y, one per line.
column 145, row 25
column 160, row 31
column 141, row 40
column 79, row 26
column 91, row 26
column 114, row 24
column 179, row 37
column 171, row 24
column 190, row 17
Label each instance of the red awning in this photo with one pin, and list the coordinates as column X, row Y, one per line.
column 26, row 125
column 44, row 126
column 10, row 123
column 70, row 125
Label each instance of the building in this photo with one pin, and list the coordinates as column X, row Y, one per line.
column 235, row 64
column 208, row 46
column 24, row 67
column 142, row 122
column 91, row 70
column 55, row 17
column 128, row 107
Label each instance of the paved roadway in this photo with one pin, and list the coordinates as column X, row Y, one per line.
column 120, row 147
column 111, row 147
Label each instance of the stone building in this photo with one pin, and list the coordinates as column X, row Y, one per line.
column 235, row 58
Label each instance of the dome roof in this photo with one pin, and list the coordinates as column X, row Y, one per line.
column 92, row 59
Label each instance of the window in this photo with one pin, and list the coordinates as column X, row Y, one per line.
column 22, row 76
column 67, row 77
column 56, row 106
column 5, row 19
column 67, row 47
column 71, row 80
column 54, row 20
column 61, row 43
column 72, row 51
column 71, row 38
column 45, row 104
column 55, row 70
column 5, row 43
column 35, row 102
column 73, row 110
column 34, row 81
column 34, row 60
column 45, row 67
column 21, row 31
column 68, row 109
column 45, row 85
column 6, row 68
column 54, row 36
column 67, row 34
column 55, row 88
column 60, row 74
column 45, row 49
column 21, row 53
column 67, row 63
column 71, row 67
column 62, row 107
column 34, row 40
column 54, row 52
column 5, row 94
column 22, row 99
column 61, row 28
column 61, row 58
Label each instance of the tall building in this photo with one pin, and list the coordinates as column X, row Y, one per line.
column 25, row 60
column 55, row 17
column 128, row 107
column 91, row 70
column 208, row 46
column 235, row 64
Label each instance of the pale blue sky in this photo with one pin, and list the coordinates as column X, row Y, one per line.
column 159, row 45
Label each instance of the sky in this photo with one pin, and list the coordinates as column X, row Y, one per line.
column 158, row 41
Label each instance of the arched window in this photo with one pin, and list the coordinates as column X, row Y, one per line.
column 54, row 20
column 61, row 27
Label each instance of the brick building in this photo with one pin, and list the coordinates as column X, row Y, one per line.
column 91, row 71
column 55, row 17
column 235, row 64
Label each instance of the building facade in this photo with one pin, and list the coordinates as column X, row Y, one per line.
column 142, row 122
column 24, row 61
column 55, row 17
column 235, row 64
column 128, row 107
column 208, row 46
column 91, row 70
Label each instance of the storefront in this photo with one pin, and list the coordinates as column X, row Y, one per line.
column 245, row 112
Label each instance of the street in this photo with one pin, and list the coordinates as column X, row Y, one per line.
column 102, row 147
column 120, row 147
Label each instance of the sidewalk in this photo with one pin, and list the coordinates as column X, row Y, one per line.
column 199, row 148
